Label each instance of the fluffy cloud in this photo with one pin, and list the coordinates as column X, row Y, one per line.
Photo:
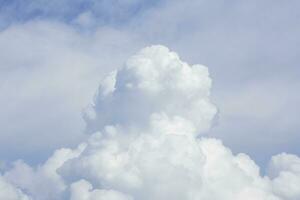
column 10, row 192
column 83, row 190
column 161, row 89
column 284, row 169
column 148, row 118
column 42, row 183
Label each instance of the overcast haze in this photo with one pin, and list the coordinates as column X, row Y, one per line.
column 55, row 54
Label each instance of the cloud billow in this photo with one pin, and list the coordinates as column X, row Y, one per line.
column 147, row 121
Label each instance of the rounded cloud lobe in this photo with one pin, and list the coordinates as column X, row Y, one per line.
column 10, row 192
column 155, row 87
column 146, row 124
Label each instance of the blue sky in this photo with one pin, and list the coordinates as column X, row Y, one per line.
column 106, row 12
column 251, row 49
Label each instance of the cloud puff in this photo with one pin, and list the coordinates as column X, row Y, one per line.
column 284, row 169
column 10, row 192
column 83, row 190
column 42, row 183
column 155, row 87
column 147, row 121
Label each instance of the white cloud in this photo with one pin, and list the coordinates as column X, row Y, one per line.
column 42, row 183
column 156, row 83
column 147, row 145
column 10, row 192
column 49, row 72
column 83, row 190
column 250, row 48
column 284, row 169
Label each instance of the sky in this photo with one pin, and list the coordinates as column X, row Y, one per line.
column 55, row 54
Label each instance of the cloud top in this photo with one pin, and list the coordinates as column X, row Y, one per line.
column 156, row 87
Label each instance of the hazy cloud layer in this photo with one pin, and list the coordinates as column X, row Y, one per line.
column 49, row 74
column 152, row 149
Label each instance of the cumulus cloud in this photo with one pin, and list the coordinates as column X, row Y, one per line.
column 284, row 169
column 42, row 182
column 10, row 192
column 147, row 120
column 161, row 88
